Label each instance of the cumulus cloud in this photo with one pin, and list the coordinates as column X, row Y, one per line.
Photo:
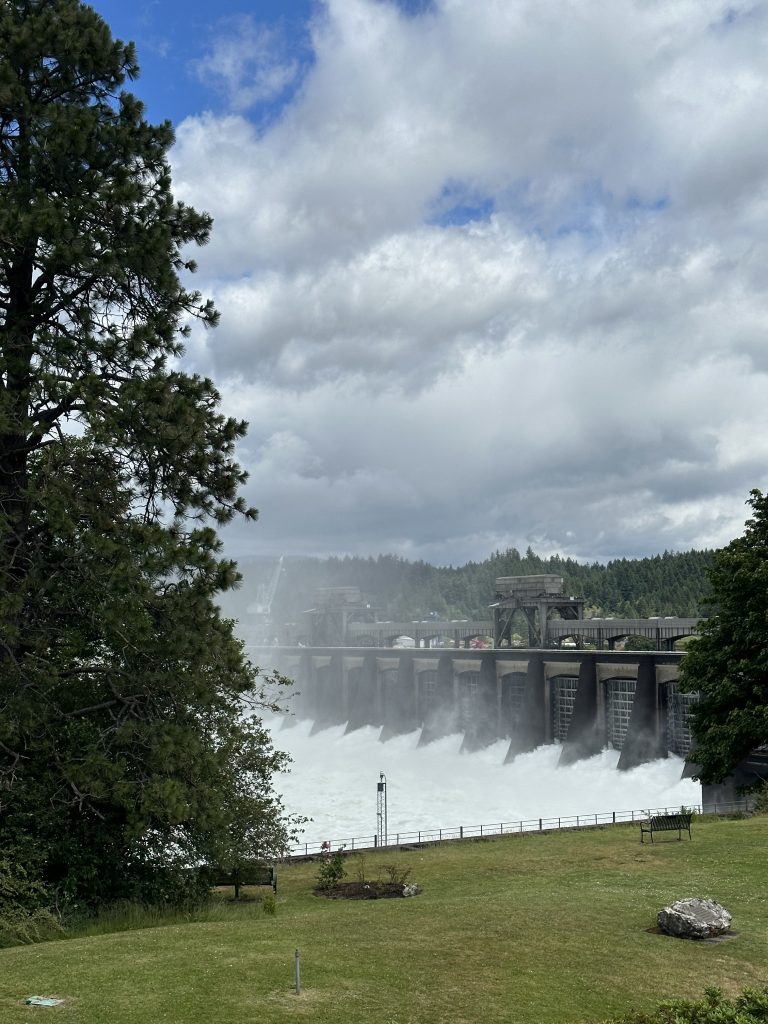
column 495, row 275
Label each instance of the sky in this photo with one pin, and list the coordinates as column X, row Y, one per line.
column 491, row 273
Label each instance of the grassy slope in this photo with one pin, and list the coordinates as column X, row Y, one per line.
column 536, row 928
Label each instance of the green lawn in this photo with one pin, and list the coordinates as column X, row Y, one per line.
column 534, row 928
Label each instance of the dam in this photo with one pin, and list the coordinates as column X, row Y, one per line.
column 535, row 674
column 584, row 699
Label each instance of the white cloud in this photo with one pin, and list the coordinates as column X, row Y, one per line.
column 247, row 62
column 583, row 367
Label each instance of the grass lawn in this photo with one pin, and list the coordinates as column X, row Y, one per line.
column 532, row 928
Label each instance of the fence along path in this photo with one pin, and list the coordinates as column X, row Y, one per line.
column 504, row 828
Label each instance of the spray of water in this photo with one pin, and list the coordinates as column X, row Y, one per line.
column 334, row 776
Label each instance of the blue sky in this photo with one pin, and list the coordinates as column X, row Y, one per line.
column 172, row 35
column 490, row 274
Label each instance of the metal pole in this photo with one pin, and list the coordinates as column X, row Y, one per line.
column 381, row 809
column 297, row 957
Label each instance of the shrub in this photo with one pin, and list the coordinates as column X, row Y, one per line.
column 331, row 870
column 359, row 864
column 25, row 907
column 760, row 803
column 396, row 874
column 751, row 1007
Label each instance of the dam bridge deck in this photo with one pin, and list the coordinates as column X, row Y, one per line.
column 662, row 632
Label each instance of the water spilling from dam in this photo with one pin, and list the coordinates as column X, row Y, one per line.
column 334, row 775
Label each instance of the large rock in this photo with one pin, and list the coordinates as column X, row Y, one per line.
column 694, row 919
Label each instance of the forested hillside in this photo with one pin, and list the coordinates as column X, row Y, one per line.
column 668, row 584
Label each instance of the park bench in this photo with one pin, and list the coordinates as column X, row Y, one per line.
column 247, row 875
column 667, row 823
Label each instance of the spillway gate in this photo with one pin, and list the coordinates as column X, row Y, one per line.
column 585, row 700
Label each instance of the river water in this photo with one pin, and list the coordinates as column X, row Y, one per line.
column 334, row 777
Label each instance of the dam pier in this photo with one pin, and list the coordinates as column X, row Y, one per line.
column 584, row 699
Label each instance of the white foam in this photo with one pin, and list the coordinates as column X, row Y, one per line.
column 334, row 777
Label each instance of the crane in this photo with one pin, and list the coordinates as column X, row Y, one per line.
column 266, row 595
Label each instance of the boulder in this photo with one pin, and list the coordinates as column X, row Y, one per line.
column 694, row 919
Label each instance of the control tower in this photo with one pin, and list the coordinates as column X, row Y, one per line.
column 335, row 608
column 539, row 598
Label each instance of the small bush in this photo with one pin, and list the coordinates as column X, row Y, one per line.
column 269, row 905
column 25, row 914
column 751, row 1007
column 360, row 869
column 19, row 927
column 760, row 803
column 396, row 874
column 331, row 870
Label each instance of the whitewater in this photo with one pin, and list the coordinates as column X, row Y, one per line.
column 334, row 776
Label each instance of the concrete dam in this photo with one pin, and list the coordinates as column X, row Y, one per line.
column 585, row 699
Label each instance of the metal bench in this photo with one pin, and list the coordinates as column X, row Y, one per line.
column 247, row 875
column 666, row 823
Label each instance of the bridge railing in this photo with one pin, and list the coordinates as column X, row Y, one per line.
column 505, row 828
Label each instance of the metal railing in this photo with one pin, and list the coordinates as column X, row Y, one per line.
column 505, row 828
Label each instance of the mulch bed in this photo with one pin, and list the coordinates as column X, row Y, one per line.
column 363, row 891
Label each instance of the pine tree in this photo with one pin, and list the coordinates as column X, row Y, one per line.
column 121, row 689
column 728, row 662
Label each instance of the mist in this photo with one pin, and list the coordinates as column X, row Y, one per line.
column 334, row 776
